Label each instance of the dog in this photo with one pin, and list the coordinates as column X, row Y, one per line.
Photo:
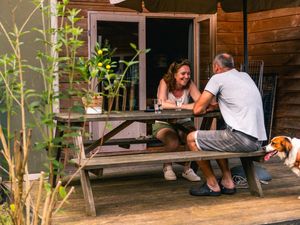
column 288, row 149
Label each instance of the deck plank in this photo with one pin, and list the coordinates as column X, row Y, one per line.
column 140, row 195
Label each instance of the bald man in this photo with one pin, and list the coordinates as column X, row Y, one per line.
column 241, row 107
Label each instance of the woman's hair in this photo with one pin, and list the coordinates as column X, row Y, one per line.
column 173, row 69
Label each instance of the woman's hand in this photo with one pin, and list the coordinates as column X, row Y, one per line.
column 189, row 106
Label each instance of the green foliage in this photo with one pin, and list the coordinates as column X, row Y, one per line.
column 62, row 192
column 57, row 59
column 5, row 215
column 102, row 68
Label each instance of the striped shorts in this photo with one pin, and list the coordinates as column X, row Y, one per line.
column 228, row 140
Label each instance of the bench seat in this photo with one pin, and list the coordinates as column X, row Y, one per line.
column 165, row 157
column 98, row 163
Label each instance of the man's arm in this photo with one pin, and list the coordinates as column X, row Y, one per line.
column 203, row 102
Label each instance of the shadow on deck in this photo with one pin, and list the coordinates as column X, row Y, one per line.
column 140, row 195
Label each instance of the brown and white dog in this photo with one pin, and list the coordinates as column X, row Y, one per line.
column 288, row 149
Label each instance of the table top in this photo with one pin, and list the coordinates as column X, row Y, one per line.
column 137, row 115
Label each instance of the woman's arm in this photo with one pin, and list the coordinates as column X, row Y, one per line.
column 194, row 91
column 162, row 93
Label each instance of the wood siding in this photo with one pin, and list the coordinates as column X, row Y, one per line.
column 274, row 36
column 230, row 34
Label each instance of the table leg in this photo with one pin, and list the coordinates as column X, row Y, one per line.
column 206, row 123
column 107, row 136
column 97, row 172
column 84, row 178
column 252, row 179
column 87, row 193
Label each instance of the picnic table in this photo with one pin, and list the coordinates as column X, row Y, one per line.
column 128, row 117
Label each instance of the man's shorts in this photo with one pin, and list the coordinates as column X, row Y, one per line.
column 227, row 140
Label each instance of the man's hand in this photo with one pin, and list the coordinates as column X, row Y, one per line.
column 203, row 102
column 212, row 107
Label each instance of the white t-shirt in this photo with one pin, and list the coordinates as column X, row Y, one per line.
column 239, row 101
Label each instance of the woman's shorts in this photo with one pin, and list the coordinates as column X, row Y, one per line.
column 227, row 140
column 158, row 125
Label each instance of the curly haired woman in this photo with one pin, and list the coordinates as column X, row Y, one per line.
column 176, row 85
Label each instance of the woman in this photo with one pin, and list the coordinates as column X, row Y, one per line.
column 176, row 85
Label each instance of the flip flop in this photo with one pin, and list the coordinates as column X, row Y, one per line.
column 203, row 190
column 226, row 191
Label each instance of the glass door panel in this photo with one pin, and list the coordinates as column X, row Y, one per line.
column 109, row 32
column 119, row 31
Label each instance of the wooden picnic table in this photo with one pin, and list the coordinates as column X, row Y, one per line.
column 130, row 117
column 138, row 115
column 87, row 164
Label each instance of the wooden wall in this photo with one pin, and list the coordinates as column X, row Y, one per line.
column 230, row 34
column 274, row 36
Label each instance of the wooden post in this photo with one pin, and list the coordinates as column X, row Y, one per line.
column 85, row 179
column 252, row 179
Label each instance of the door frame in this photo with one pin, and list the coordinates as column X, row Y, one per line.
column 212, row 36
column 93, row 17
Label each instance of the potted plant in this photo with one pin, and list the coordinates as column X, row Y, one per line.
column 101, row 69
column 94, row 71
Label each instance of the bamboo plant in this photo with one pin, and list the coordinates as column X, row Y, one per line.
column 58, row 59
column 18, row 99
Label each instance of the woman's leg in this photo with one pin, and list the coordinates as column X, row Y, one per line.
column 169, row 137
column 170, row 140
column 188, row 173
column 189, row 126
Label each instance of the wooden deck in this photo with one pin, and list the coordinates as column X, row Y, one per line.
column 140, row 195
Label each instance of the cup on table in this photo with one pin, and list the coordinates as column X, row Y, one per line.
column 157, row 105
column 179, row 102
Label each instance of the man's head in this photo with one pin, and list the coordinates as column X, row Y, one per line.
column 222, row 63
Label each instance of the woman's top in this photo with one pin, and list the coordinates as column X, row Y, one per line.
column 185, row 100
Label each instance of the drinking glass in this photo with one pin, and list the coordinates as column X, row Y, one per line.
column 179, row 102
column 157, row 105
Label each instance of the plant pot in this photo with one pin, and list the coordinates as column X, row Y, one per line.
column 93, row 105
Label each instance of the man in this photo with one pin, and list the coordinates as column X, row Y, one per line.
column 240, row 104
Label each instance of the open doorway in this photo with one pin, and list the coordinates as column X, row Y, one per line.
column 169, row 40
column 169, row 37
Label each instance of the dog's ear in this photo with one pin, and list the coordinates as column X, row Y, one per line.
column 286, row 143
